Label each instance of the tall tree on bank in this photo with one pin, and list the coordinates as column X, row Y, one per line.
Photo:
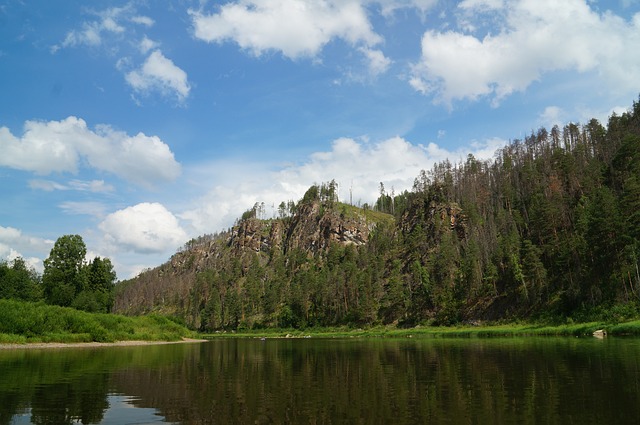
column 63, row 277
column 97, row 295
column 71, row 282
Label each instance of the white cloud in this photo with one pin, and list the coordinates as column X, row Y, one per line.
column 46, row 185
column 143, row 228
column 143, row 20
column 533, row 37
column 58, row 146
column 111, row 32
column 296, row 28
column 13, row 242
column 481, row 4
column 552, row 115
column 388, row 7
column 9, row 234
column 357, row 166
column 94, row 209
column 44, row 147
column 159, row 73
column 89, row 35
column 92, row 31
column 378, row 62
column 95, row 186
column 141, row 159
column 146, row 44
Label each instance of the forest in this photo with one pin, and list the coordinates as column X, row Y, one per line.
column 549, row 229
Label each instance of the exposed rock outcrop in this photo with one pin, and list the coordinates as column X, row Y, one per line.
column 312, row 228
column 172, row 287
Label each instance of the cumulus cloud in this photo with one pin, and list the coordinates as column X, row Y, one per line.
column 143, row 228
column 161, row 74
column 59, row 146
column 358, row 167
column 13, row 243
column 527, row 38
column 296, row 28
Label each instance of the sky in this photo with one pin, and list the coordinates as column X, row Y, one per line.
column 140, row 124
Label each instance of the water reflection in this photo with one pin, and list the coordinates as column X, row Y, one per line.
column 538, row 380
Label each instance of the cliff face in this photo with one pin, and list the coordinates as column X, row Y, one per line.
column 176, row 288
column 312, row 229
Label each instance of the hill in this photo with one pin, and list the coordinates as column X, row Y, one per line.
column 246, row 275
column 549, row 228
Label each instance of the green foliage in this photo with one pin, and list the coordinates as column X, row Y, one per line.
column 249, row 214
column 18, row 281
column 312, row 194
column 69, row 281
column 63, row 276
column 37, row 322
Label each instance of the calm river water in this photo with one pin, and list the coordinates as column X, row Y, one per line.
column 328, row 381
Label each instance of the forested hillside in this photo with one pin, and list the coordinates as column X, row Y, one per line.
column 549, row 228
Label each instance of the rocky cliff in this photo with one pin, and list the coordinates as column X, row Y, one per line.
column 176, row 287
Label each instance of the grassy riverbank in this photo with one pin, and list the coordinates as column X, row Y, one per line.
column 24, row 322
column 631, row 328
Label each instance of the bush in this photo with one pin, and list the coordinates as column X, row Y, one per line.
column 39, row 322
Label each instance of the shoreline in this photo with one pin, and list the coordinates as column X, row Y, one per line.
column 587, row 329
column 46, row 345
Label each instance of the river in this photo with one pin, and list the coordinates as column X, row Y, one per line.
column 328, row 381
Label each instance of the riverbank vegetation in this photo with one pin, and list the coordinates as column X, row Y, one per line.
column 69, row 280
column 28, row 322
column 70, row 302
column 589, row 329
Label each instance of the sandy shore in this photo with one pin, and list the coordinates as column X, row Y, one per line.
column 93, row 344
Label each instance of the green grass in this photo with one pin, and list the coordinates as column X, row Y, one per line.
column 352, row 211
column 24, row 322
column 509, row 330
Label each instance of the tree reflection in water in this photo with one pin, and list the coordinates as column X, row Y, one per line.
column 537, row 380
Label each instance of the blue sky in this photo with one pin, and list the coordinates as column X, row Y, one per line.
column 142, row 124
